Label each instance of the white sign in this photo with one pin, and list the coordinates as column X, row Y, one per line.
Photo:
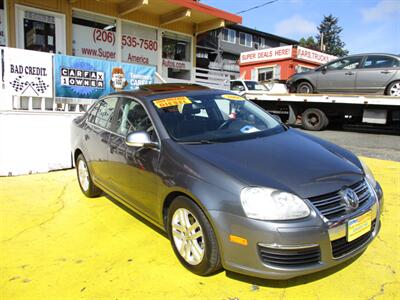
column 314, row 56
column 93, row 42
column 266, row 54
column 28, row 73
column 176, row 64
column 139, row 44
column 2, row 27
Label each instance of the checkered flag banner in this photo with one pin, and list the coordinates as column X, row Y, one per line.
column 28, row 73
column 20, row 86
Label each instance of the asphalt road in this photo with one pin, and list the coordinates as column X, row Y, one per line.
column 382, row 146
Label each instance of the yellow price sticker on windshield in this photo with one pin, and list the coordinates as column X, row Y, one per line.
column 171, row 102
column 232, row 97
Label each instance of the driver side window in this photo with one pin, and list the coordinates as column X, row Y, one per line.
column 133, row 117
column 348, row 63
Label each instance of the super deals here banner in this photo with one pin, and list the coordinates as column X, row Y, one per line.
column 79, row 77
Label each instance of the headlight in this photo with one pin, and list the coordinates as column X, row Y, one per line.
column 369, row 175
column 269, row 204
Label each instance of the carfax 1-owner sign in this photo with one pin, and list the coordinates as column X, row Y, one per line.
column 28, row 73
column 78, row 77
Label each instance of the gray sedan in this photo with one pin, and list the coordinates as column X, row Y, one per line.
column 232, row 186
column 363, row 73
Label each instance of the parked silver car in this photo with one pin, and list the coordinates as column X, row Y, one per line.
column 364, row 73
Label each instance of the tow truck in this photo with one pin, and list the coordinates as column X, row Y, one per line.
column 316, row 111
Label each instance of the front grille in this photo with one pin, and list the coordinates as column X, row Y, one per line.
column 289, row 257
column 331, row 205
column 341, row 246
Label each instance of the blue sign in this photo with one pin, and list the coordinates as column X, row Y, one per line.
column 79, row 77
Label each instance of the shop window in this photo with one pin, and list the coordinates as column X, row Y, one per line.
column 3, row 40
column 93, row 36
column 176, row 54
column 245, row 39
column 302, row 69
column 269, row 73
column 139, row 44
column 229, row 35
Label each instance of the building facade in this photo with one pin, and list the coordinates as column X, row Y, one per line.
column 161, row 33
column 220, row 49
column 280, row 63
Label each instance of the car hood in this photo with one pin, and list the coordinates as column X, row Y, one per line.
column 288, row 161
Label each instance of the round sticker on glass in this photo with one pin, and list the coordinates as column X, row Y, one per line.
column 232, row 97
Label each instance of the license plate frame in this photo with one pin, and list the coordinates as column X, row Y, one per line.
column 359, row 226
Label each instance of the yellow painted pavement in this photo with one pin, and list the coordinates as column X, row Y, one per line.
column 57, row 244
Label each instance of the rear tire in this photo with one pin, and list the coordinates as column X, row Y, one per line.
column 314, row 119
column 84, row 178
column 192, row 237
column 393, row 89
column 304, row 88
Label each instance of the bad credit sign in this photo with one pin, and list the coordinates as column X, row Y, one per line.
column 266, row 54
column 314, row 56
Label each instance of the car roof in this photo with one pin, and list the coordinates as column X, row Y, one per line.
column 154, row 91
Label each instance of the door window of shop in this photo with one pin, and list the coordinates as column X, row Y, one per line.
column 3, row 31
column 40, row 30
column 176, row 56
column 93, row 36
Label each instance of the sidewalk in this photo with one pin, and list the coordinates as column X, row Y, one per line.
column 57, row 244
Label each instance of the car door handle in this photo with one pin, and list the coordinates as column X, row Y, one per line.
column 386, row 72
column 349, row 73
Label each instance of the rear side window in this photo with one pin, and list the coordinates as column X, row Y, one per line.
column 105, row 112
column 380, row 61
column 93, row 112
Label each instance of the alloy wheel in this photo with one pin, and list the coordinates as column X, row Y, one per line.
column 395, row 90
column 83, row 175
column 188, row 236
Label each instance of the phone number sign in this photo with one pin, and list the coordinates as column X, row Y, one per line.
column 139, row 44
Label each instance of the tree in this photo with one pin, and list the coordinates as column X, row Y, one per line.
column 330, row 31
column 309, row 43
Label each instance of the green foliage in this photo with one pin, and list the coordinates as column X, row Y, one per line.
column 330, row 30
column 309, row 43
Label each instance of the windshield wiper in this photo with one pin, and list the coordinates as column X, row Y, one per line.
column 200, row 142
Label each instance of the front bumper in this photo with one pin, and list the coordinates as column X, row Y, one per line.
column 291, row 238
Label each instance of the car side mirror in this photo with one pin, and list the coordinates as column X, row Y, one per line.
column 324, row 69
column 140, row 139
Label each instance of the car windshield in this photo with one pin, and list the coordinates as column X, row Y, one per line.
column 255, row 86
column 210, row 118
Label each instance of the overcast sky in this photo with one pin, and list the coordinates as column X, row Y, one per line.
column 368, row 25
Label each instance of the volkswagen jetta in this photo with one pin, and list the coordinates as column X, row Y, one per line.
column 231, row 185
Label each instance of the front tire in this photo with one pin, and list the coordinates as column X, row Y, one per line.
column 304, row 88
column 84, row 178
column 393, row 89
column 192, row 237
column 314, row 119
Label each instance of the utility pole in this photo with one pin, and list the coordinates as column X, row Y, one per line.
column 322, row 46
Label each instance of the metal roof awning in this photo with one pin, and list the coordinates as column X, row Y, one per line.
column 200, row 16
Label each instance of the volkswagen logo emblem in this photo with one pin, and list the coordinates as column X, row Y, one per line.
column 350, row 198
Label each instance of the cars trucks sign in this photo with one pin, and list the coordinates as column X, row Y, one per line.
column 266, row 54
column 314, row 56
